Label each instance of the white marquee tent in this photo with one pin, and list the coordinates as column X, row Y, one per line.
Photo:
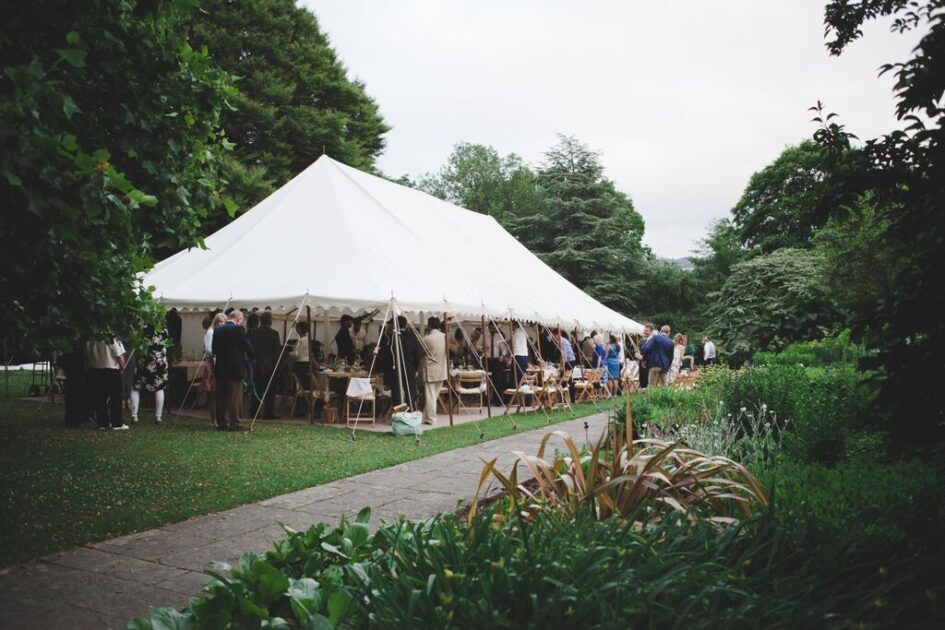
column 344, row 241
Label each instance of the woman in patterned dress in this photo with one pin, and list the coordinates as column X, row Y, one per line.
column 679, row 348
column 151, row 374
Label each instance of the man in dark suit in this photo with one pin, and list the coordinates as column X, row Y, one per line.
column 644, row 368
column 658, row 354
column 399, row 354
column 412, row 350
column 266, row 344
column 232, row 353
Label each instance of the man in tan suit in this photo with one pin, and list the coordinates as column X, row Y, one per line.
column 433, row 368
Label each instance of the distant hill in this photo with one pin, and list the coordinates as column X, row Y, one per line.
column 682, row 263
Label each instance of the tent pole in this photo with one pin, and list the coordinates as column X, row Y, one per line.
column 272, row 376
column 449, row 383
column 541, row 360
column 311, row 369
column 511, row 349
column 397, row 352
column 560, row 351
column 485, row 365
column 325, row 334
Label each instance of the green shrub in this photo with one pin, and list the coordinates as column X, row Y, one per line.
column 665, row 407
column 900, row 503
column 821, row 406
column 822, row 352
column 556, row 572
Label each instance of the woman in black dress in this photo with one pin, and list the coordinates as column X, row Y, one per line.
column 151, row 374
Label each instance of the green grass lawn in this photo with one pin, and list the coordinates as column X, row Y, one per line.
column 65, row 487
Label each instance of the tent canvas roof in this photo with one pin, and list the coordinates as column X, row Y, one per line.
column 347, row 241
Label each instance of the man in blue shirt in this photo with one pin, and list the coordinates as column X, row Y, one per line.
column 658, row 354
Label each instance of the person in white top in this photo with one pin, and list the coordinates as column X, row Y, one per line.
column 209, row 326
column 498, row 362
column 679, row 349
column 106, row 360
column 708, row 352
column 519, row 351
column 208, row 381
column 359, row 335
column 433, row 370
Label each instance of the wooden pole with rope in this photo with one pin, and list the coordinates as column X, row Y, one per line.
column 515, row 368
column 272, row 376
column 629, row 420
column 449, row 382
column 485, row 364
column 311, row 368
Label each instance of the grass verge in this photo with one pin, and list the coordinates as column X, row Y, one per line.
column 66, row 487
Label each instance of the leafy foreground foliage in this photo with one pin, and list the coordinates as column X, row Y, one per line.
column 67, row 487
column 111, row 140
column 556, row 570
column 596, row 541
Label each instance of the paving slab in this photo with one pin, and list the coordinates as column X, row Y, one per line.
column 104, row 584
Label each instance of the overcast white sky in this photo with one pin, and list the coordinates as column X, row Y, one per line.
column 684, row 100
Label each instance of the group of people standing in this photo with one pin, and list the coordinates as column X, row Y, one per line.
column 407, row 359
column 661, row 359
column 238, row 359
column 102, row 375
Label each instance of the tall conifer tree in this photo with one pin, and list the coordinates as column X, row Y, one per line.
column 588, row 231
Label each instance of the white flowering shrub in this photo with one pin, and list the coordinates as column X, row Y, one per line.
column 753, row 437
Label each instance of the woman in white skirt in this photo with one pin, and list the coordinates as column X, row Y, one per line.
column 679, row 349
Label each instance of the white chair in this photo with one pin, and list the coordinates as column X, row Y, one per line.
column 470, row 385
column 362, row 395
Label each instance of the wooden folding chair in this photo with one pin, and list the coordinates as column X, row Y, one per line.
column 360, row 397
column 444, row 399
column 559, row 394
column 515, row 396
column 588, row 388
column 307, row 394
column 470, row 385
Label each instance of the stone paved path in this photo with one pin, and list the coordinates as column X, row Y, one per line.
column 103, row 585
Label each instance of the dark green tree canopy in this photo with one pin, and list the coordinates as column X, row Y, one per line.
column 567, row 213
column 905, row 179
column 109, row 126
column 295, row 99
column 770, row 301
column 791, row 197
column 476, row 177
column 718, row 253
